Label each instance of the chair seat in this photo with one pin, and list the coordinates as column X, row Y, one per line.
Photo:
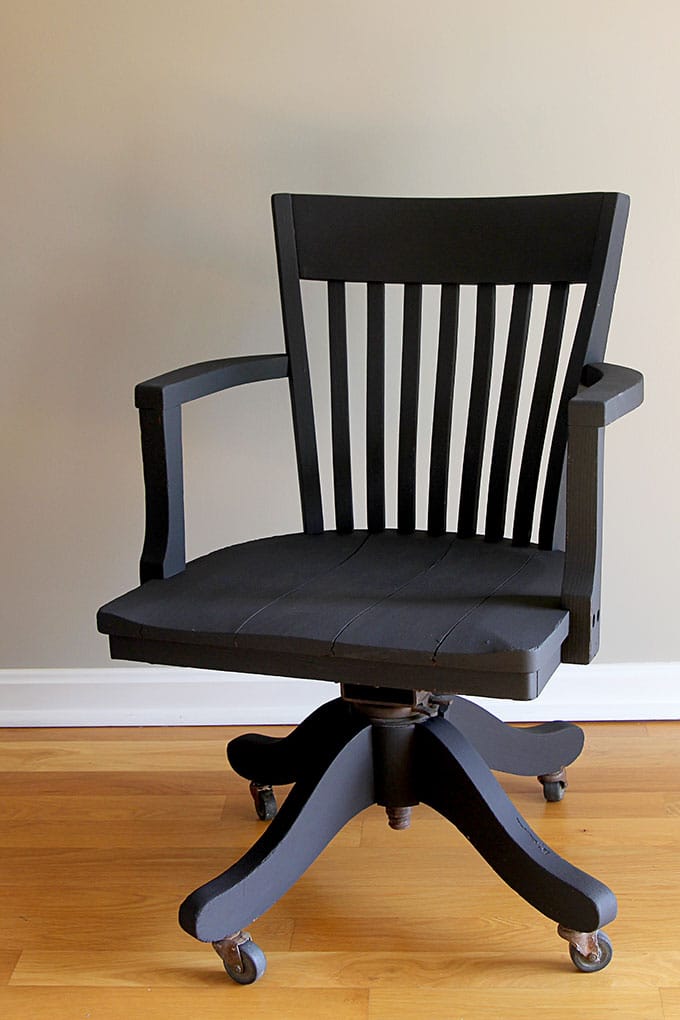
column 413, row 600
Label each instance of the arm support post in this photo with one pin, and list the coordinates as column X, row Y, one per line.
column 607, row 393
column 160, row 414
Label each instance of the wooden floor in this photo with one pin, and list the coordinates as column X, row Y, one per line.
column 105, row 831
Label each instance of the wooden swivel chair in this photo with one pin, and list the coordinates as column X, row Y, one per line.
column 485, row 596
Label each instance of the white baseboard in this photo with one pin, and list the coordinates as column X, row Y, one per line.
column 166, row 696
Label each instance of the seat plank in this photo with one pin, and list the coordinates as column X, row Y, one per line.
column 383, row 598
column 217, row 593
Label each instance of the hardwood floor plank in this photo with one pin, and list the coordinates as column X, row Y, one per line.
column 111, row 756
column 218, row 735
column 214, row 998
column 105, row 832
column 8, row 961
column 233, row 836
column 585, row 1000
column 421, row 967
column 65, row 810
column 134, row 783
column 670, row 1000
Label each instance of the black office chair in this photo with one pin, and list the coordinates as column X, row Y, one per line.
column 408, row 619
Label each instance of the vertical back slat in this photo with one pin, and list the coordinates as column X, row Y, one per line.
column 408, row 412
column 375, row 406
column 506, row 419
column 539, row 413
column 589, row 345
column 443, row 404
column 296, row 346
column 477, row 410
column 342, row 455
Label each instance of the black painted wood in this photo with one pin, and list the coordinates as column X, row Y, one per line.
column 278, row 761
column 506, row 419
column 159, row 401
column 529, row 240
column 375, row 406
column 528, row 751
column 455, row 780
column 342, row 454
column 440, row 450
column 477, row 411
column 524, row 684
column 583, row 564
column 351, row 763
column 394, row 749
column 408, row 413
column 415, row 599
column 607, row 393
column 296, row 347
column 588, row 347
column 338, row 785
column 539, row 413
column 163, row 553
column 404, row 610
column 185, row 384
column 439, row 240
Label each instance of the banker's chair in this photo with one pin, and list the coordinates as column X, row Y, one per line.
column 485, row 596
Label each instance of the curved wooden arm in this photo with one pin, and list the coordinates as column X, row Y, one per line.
column 160, row 415
column 607, row 393
column 185, row 384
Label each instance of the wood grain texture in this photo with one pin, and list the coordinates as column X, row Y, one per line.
column 670, row 998
column 106, row 830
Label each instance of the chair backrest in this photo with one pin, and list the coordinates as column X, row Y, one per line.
column 557, row 245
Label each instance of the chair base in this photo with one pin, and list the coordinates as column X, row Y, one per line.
column 347, row 756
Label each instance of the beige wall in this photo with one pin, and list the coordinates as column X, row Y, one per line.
column 140, row 143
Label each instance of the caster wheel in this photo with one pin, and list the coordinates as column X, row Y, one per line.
column 265, row 801
column 252, row 967
column 553, row 791
column 554, row 784
column 596, row 961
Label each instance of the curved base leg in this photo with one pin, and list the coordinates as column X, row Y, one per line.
column 337, row 785
column 455, row 780
column 277, row 761
column 531, row 751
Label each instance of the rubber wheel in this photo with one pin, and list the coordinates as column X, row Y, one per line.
column 553, row 791
column 254, row 964
column 586, row 963
column 265, row 802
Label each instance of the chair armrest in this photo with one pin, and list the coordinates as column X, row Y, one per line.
column 160, row 416
column 607, row 392
column 185, row 384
